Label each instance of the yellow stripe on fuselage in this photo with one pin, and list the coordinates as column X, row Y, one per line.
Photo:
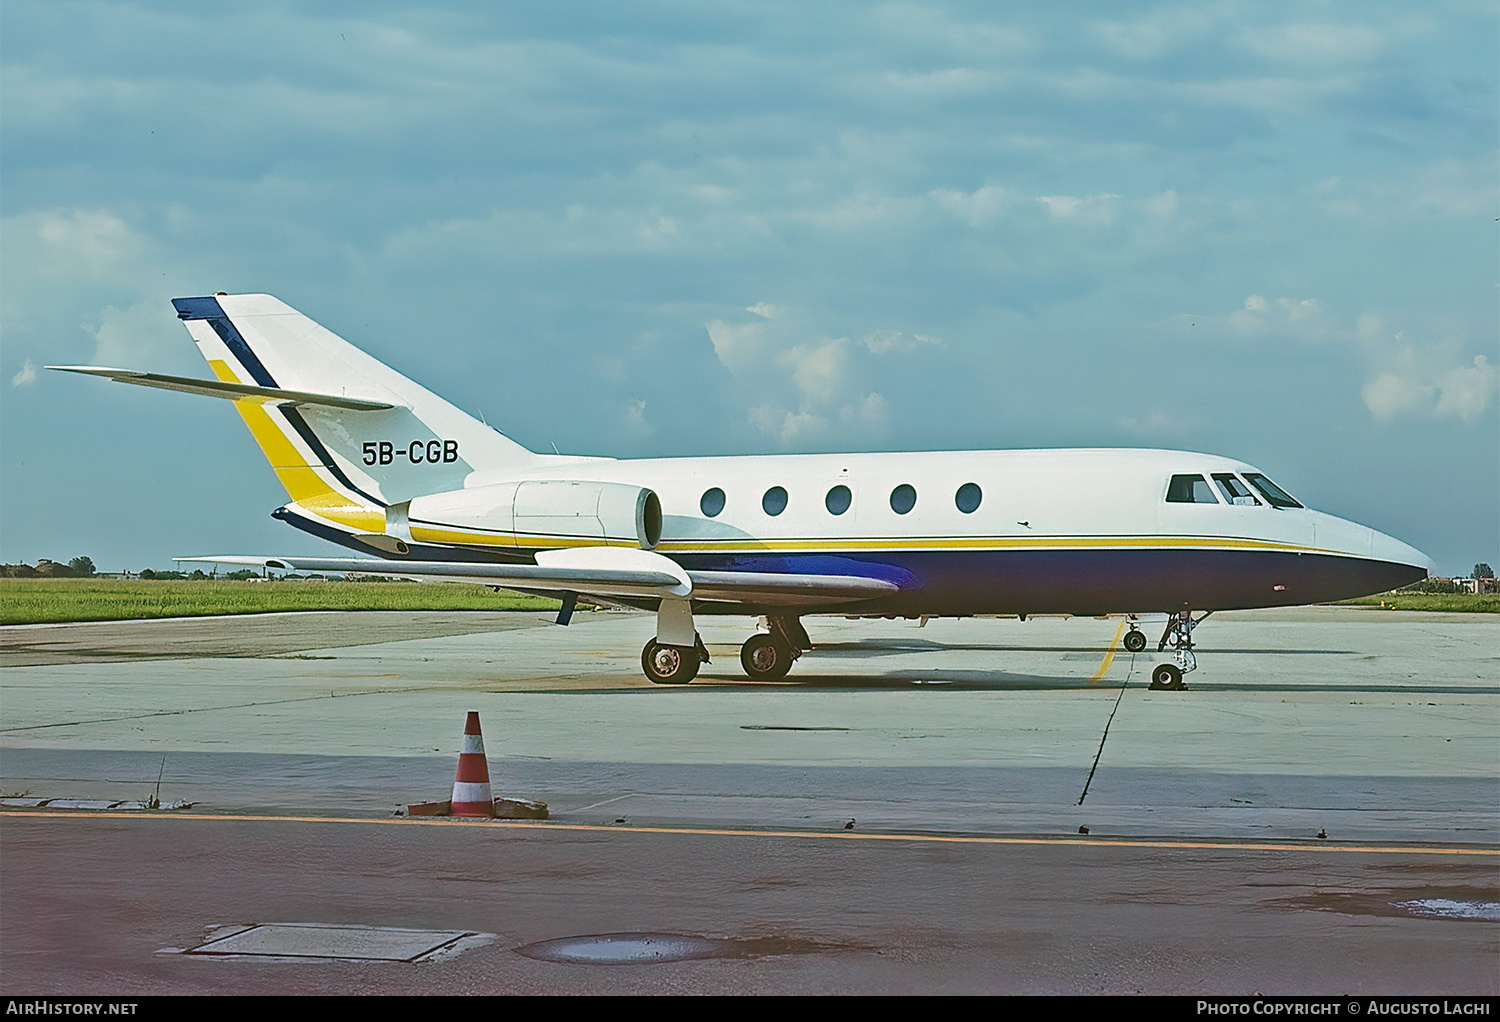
column 985, row 543
column 303, row 481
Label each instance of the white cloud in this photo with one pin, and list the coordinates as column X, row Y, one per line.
column 1302, row 318
column 882, row 342
column 976, row 208
column 787, row 427
column 635, row 417
column 764, row 309
column 818, row 369
column 1157, row 34
column 739, row 346
column 26, row 376
column 144, row 336
column 1422, row 379
column 1093, row 209
column 1314, row 43
column 869, row 412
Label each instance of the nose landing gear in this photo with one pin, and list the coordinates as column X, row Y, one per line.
column 1179, row 635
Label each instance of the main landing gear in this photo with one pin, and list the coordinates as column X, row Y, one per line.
column 673, row 665
column 767, row 657
column 1179, row 635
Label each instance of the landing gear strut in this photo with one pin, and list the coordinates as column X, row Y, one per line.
column 767, row 657
column 1178, row 634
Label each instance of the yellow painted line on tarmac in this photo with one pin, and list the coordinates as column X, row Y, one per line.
column 839, row 835
column 1109, row 656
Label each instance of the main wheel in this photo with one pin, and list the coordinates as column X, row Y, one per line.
column 1167, row 676
column 1135, row 641
column 765, row 659
column 670, row 665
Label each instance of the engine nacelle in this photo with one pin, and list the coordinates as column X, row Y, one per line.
column 534, row 514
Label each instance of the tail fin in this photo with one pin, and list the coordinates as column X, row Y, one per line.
column 343, row 464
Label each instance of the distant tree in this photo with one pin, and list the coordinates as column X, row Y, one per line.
column 241, row 574
column 1482, row 570
column 82, row 565
column 198, row 576
column 147, row 573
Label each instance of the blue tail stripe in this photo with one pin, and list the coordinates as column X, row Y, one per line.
column 210, row 311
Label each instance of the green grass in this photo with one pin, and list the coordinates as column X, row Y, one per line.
column 42, row 600
column 1469, row 603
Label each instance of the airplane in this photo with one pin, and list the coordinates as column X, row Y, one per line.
column 376, row 463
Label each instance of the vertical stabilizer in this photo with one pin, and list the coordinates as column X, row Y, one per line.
column 344, row 465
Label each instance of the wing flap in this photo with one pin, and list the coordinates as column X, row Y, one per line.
column 765, row 588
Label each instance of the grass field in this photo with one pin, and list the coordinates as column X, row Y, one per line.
column 1464, row 603
column 40, row 600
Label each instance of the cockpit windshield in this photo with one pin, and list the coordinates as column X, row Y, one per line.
column 1190, row 490
column 1275, row 495
column 1235, row 491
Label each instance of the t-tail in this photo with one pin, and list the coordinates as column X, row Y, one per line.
column 347, row 436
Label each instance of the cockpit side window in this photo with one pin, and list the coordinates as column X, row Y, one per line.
column 1233, row 490
column 1275, row 495
column 1190, row 490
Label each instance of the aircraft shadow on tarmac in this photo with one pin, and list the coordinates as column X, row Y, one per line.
column 897, row 647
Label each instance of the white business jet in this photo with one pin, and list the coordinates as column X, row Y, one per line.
column 377, row 463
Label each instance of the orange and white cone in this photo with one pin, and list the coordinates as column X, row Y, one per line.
column 471, row 785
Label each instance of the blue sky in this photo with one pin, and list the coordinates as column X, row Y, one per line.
column 1264, row 230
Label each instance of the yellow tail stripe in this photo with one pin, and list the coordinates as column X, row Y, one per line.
column 302, row 480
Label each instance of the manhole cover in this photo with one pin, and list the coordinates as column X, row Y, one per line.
column 332, row 942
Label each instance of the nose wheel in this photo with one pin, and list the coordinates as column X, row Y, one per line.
column 1135, row 639
column 1178, row 635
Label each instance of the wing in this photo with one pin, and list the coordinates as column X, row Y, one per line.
column 600, row 571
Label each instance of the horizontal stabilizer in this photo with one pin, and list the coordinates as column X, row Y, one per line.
column 630, row 573
column 231, row 391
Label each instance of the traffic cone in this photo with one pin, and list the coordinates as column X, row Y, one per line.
column 471, row 785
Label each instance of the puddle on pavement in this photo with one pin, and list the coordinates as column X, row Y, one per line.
column 1471, row 904
column 651, row 948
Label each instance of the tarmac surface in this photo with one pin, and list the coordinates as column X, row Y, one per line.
column 902, row 813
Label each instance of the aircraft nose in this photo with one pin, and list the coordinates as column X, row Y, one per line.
column 1392, row 550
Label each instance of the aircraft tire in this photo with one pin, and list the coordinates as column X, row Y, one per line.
column 764, row 658
column 670, row 665
column 1167, row 677
column 1135, row 641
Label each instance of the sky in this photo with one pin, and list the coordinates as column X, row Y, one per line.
column 1269, row 231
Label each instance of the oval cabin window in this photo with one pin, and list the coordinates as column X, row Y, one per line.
column 712, row 502
column 903, row 498
column 968, row 497
column 774, row 502
column 838, row 500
